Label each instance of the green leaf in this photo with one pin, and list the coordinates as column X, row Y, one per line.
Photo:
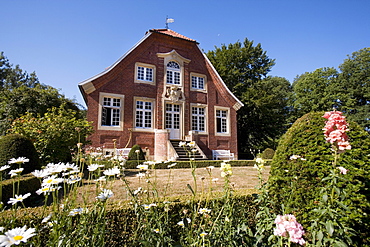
column 329, row 227
column 191, row 189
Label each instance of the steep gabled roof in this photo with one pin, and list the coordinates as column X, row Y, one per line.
column 171, row 33
column 87, row 86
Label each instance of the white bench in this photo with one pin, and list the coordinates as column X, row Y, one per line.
column 222, row 155
column 123, row 152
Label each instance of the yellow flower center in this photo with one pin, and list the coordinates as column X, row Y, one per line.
column 17, row 238
column 49, row 181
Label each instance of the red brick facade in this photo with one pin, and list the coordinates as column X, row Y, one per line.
column 120, row 83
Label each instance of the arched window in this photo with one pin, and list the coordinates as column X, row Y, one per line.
column 173, row 73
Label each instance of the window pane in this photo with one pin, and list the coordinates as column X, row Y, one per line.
column 177, row 78
column 200, row 83
column 106, row 101
column 169, row 77
column 149, row 74
column 140, row 73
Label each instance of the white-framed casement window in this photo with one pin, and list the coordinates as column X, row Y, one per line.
column 198, row 82
column 222, row 120
column 144, row 113
column 144, row 73
column 110, row 111
column 198, row 118
column 173, row 73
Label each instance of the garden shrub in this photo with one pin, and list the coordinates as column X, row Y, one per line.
column 133, row 155
column 27, row 184
column 268, row 154
column 122, row 221
column 296, row 183
column 15, row 146
column 132, row 164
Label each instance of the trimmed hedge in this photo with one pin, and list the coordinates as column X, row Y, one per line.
column 15, row 146
column 132, row 164
column 297, row 183
column 121, row 221
column 28, row 184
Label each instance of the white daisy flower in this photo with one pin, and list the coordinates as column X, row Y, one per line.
column 112, row 171
column 191, row 144
column 143, row 167
column 101, row 179
column 19, row 198
column 51, row 180
column 55, row 168
column 204, row 211
column 76, row 211
column 41, row 173
column 47, row 218
column 104, row 195
column 20, row 160
column 260, row 161
column 182, row 144
column 172, row 165
column 94, row 167
column 47, row 189
column 181, row 223
column 137, row 191
column 16, row 236
column 16, row 172
column 3, row 168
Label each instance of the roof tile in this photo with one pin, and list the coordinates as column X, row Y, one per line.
column 171, row 33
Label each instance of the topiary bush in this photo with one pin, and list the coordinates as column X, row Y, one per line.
column 268, row 154
column 15, row 146
column 136, row 155
column 295, row 182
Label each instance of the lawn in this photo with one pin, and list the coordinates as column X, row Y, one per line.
column 173, row 182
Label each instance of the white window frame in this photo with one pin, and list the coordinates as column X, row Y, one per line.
column 197, row 88
column 147, row 68
column 173, row 72
column 143, row 128
column 121, row 97
column 225, row 118
column 204, row 107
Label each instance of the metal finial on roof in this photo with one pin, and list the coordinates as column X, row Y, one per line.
column 169, row 20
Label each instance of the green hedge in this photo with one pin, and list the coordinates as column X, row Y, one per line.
column 132, row 164
column 297, row 183
column 121, row 221
column 27, row 184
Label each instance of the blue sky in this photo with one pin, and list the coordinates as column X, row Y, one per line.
column 66, row 42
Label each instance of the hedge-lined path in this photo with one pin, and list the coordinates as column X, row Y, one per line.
column 244, row 180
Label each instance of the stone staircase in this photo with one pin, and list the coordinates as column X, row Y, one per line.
column 185, row 154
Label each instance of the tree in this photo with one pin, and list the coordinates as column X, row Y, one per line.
column 240, row 65
column 315, row 91
column 355, row 75
column 243, row 68
column 326, row 88
column 55, row 134
column 21, row 93
column 263, row 118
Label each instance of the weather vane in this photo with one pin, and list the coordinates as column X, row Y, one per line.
column 169, row 20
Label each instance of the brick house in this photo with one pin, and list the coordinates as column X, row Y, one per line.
column 163, row 89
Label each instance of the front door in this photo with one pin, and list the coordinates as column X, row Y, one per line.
column 173, row 116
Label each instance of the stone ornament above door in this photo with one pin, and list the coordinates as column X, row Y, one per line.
column 174, row 93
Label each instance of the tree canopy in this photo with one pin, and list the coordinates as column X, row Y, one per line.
column 326, row 88
column 244, row 67
column 22, row 93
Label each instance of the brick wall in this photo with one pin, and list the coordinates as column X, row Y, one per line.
column 120, row 80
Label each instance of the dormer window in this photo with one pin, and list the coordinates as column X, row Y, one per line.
column 173, row 73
